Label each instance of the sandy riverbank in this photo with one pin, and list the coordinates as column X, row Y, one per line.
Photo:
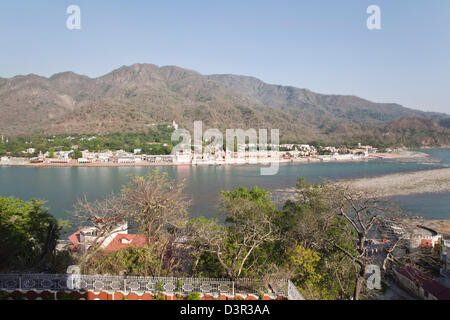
column 440, row 226
column 427, row 181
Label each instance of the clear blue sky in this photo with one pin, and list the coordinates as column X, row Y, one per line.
column 322, row 45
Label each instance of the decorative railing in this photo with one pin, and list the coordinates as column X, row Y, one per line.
column 183, row 286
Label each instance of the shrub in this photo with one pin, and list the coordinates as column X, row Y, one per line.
column 194, row 296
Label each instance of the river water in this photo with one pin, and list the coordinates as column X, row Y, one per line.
column 62, row 186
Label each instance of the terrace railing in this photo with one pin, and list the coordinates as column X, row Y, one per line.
column 154, row 285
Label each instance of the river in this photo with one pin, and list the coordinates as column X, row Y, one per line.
column 62, row 186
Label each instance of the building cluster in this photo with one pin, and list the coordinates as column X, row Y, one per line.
column 122, row 157
column 327, row 153
column 411, row 279
column 258, row 153
column 103, row 157
column 248, row 153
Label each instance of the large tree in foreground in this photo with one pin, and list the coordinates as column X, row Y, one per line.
column 346, row 219
column 158, row 208
column 250, row 225
column 106, row 216
column 154, row 206
column 28, row 235
column 310, row 232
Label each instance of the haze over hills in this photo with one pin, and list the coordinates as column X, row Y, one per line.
column 133, row 98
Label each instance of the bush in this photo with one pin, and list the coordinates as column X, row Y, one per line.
column 194, row 296
column 4, row 295
column 179, row 285
column 160, row 296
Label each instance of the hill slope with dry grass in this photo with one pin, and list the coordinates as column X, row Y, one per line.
column 131, row 99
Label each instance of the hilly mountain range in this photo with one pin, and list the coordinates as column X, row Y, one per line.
column 134, row 98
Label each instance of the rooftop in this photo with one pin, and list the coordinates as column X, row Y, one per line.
column 428, row 284
column 122, row 241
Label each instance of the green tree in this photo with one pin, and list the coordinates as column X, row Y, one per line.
column 131, row 261
column 24, row 227
column 308, row 219
column 336, row 220
column 238, row 246
column 304, row 263
column 76, row 154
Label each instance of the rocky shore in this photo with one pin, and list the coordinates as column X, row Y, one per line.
column 426, row 181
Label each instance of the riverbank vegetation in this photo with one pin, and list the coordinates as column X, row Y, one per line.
column 154, row 141
column 318, row 239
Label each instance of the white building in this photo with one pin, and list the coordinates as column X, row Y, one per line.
column 63, row 154
column 104, row 156
column 423, row 237
column 183, row 156
column 83, row 239
column 83, row 160
column 126, row 160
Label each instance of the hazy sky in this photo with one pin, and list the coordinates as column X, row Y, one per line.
column 322, row 45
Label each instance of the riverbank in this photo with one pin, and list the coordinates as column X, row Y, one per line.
column 440, row 226
column 398, row 184
column 61, row 187
column 93, row 165
column 426, row 181
column 397, row 155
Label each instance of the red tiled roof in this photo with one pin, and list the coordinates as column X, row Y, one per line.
column 131, row 240
column 75, row 238
column 428, row 284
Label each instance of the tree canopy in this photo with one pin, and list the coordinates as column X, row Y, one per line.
column 24, row 227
